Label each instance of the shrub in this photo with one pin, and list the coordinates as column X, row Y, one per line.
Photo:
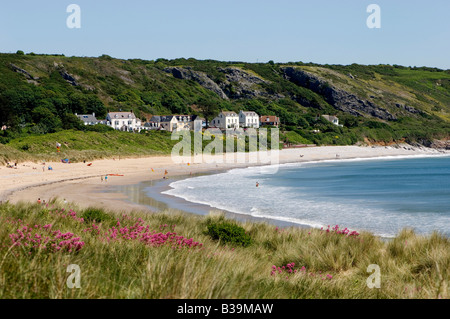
column 97, row 215
column 230, row 233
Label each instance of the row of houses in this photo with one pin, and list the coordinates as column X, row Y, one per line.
column 127, row 121
column 245, row 119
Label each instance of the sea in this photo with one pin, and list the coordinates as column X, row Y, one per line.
column 383, row 195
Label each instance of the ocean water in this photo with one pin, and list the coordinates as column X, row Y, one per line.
column 379, row 195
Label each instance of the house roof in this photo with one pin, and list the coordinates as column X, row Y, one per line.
column 228, row 113
column 330, row 118
column 168, row 118
column 269, row 118
column 249, row 113
column 161, row 118
column 121, row 115
column 197, row 118
column 87, row 117
column 182, row 117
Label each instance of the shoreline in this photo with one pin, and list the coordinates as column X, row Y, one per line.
column 83, row 185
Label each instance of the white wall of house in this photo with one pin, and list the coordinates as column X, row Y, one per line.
column 226, row 120
column 125, row 121
column 248, row 119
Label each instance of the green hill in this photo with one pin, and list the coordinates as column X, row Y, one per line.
column 40, row 93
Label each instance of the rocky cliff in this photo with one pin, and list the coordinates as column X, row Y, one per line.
column 338, row 98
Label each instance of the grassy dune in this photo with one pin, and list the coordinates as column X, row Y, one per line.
column 79, row 146
column 143, row 258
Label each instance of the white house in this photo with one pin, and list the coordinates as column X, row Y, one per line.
column 87, row 119
column 124, row 121
column 175, row 123
column 225, row 120
column 332, row 119
column 248, row 119
column 189, row 122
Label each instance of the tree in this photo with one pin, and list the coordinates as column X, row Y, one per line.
column 71, row 121
column 209, row 108
column 46, row 119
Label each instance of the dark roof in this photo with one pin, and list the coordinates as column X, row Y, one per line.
column 87, row 117
column 161, row 118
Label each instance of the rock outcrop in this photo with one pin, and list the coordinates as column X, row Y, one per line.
column 408, row 108
column 238, row 84
column 24, row 72
column 68, row 77
column 199, row 77
column 338, row 98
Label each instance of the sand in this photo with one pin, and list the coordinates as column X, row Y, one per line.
column 83, row 185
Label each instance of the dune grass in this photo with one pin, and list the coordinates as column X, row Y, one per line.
column 89, row 145
column 137, row 255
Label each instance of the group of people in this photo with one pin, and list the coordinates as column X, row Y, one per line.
column 39, row 201
column 8, row 165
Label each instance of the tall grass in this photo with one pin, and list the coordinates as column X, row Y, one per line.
column 279, row 263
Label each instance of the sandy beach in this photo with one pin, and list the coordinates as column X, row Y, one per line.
column 83, row 184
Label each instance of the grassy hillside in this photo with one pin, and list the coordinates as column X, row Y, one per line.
column 89, row 145
column 79, row 146
column 40, row 93
column 167, row 255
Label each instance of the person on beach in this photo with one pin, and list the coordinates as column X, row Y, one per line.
column 39, row 200
column 257, row 184
column 106, row 178
column 101, row 178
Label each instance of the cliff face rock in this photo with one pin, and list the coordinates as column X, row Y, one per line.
column 408, row 108
column 199, row 77
column 440, row 144
column 24, row 72
column 240, row 84
column 338, row 98
column 68, row 77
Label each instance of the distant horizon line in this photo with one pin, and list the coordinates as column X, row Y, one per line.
column 230, row 61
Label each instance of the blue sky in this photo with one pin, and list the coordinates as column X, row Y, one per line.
column 413, row 32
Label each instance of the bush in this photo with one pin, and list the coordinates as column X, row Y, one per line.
column 230, row 233
column 97, row 215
